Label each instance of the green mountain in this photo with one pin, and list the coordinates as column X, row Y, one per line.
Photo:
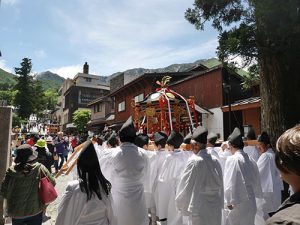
column 6, row 79
column 50, row 80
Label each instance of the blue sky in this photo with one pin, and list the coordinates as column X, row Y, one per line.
column 112, row 36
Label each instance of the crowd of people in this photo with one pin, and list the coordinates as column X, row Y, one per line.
column 125, row 179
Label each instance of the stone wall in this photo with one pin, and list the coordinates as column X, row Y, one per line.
column 5, row 140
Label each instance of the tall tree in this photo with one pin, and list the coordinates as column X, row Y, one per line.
column 267, row 33
column 24, row 99
column 80, row 119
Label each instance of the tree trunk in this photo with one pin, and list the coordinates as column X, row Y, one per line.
column 278, row 40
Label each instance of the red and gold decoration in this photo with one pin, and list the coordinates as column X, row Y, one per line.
column 165, row 110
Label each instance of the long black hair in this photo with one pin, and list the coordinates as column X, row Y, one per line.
column 91, row 179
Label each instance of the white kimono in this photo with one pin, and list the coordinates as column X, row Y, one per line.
column 161, row 189
column 241, row 187
column 150, row 179
column 200, row 191
column 170, row 174
column 129, row 166
column 270, row 181
column 223, row 155
column 76, row 210
column 213, row 151
column 252, row 152
column 105, row 157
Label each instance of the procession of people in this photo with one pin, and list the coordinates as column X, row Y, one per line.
column 129, row 178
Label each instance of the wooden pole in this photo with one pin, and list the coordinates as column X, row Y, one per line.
column 66, row 166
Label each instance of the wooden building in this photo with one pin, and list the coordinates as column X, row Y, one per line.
column 102, row 113
column 214, row 89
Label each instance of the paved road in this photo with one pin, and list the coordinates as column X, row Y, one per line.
column 61, row 184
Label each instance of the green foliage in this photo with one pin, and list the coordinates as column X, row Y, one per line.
column 8, row 95
column 50, row 80
column 7, row 80
column 265, row 34
column 25, row 97
column 80, row 118
column 17, row 121
column 248, row 28
column 51, row 97
column 234, row 15
column 39, row 101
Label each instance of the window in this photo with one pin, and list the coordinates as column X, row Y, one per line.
column 121, row 106
column 113, row 103
column 88, row 79
column 98, row 108
column 139, row 98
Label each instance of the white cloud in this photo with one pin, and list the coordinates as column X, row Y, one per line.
column 4, row 67
column 40, row 53
column 67, row 71
column 132, row 33
column 8, row 2
column 241, row 62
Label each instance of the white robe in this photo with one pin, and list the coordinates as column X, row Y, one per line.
column 213, row 151
column 270, row 181
column 129, row 166
column 252, row 152
column 170, row 174
column 150, row 179
column 200, row 191
column 161, row 189
column 241, row 187
column 105, row 157
column 223, row 155
column 76, row 210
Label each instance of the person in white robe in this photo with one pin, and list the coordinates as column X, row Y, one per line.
column 160, row 189
column 251, row 150
column 210, row 146
column 129, row 166
column 224, row 153
column 105, row 155
column 271, row 182
column 200, row 191
column 241, row 183
column 142, row 141
column 170, row 174
column 186, row 145
column 87, row 200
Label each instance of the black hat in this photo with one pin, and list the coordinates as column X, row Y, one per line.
column 187, row 139
column 235, row 138
column 175, row 139
column 128, row 130
column 251, row 134
column 212, row 138
column 112, row 140
column 200, row 135
column 141, row 140
column 160, row 138
column 264, row 138
column 25, row 153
